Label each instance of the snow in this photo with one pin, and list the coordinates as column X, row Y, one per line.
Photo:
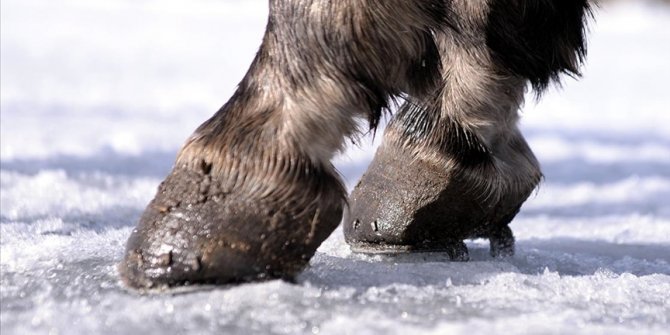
column 98, row 96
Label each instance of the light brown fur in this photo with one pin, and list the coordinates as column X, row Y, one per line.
column 253, row 192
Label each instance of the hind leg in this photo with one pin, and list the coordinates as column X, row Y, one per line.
column 453, row 164
column 428, row 198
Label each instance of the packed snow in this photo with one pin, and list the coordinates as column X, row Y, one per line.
column 97, row 97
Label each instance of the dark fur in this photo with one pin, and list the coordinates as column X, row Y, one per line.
column 538, row 39
column 253, row 193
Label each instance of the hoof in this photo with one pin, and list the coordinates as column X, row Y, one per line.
column 198, row 231
column 409, row 204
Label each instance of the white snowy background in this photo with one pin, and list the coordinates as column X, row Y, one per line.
column 97, row 97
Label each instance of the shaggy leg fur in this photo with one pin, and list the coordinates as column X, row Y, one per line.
column 253, row 193
column 453, row 164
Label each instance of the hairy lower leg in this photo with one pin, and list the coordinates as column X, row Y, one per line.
column 253, row 193
column 453, row 163
column 470, row 122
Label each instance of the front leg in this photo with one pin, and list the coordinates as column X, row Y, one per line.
column 253, row 192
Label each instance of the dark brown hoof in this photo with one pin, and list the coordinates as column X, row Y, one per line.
column 410, row 204
column 198, row 231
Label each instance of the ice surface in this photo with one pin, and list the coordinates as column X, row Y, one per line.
column 98, row 96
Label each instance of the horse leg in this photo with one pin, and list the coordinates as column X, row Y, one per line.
column 453, row 164
column 253, row 193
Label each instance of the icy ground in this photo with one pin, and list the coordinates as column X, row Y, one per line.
column 97, row 96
